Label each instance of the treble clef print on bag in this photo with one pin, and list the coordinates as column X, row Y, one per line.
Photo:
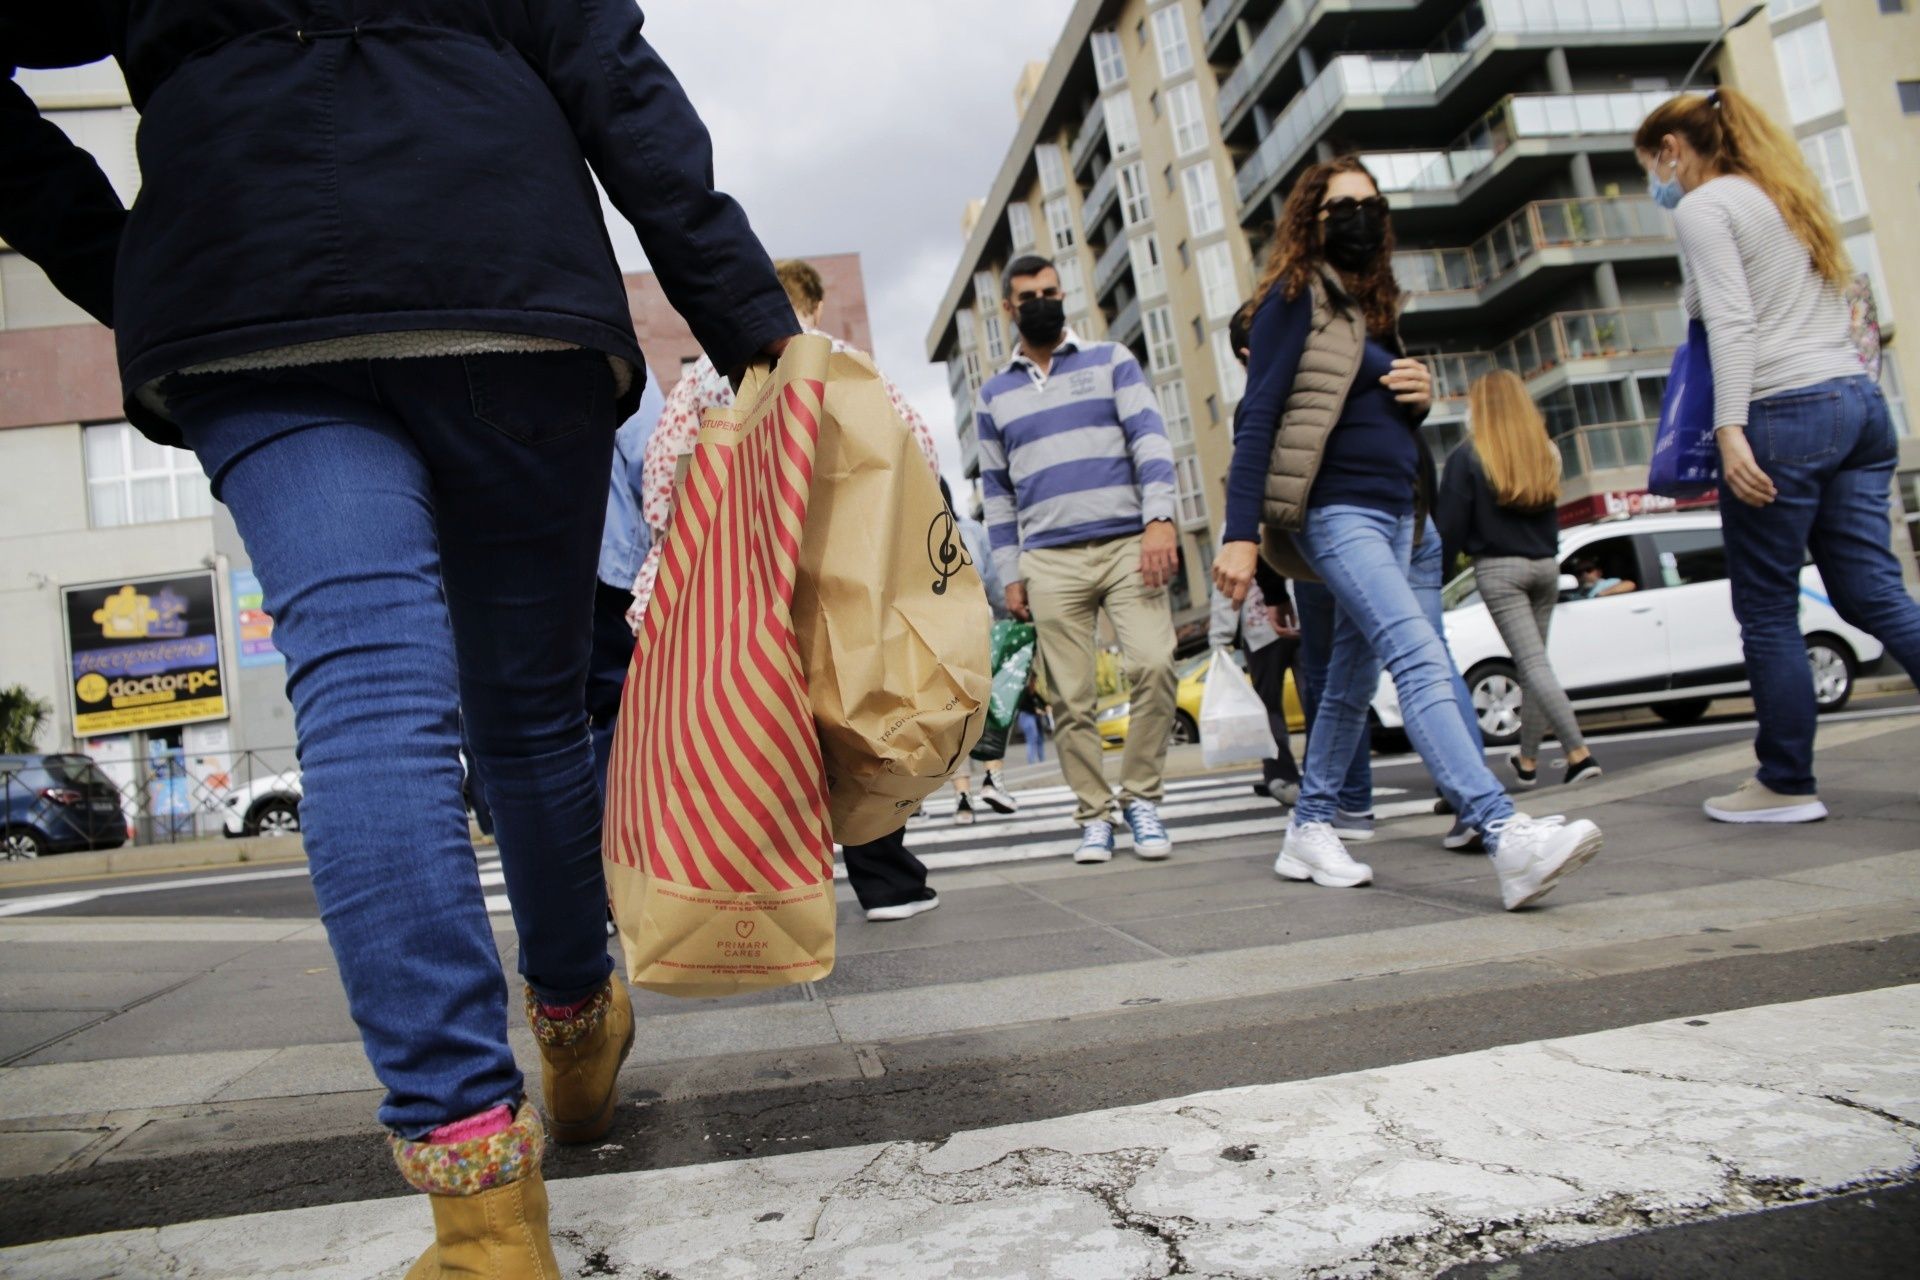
column 945, row 550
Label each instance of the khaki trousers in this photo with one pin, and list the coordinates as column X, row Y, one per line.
column 1067, row 587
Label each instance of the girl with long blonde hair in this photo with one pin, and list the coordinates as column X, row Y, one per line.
column 1806, row 441
column 1498, row 504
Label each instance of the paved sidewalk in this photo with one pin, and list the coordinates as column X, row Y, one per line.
column 1390, row 1173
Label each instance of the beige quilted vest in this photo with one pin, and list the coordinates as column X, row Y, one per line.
column 1327, row 370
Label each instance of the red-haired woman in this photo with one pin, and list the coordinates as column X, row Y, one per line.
column 1326, row 459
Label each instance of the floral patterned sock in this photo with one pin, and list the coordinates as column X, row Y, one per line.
column 473, row 1165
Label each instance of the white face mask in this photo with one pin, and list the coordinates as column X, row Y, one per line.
column 1666, row 192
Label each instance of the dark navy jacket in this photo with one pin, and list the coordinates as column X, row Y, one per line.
column 313, row 169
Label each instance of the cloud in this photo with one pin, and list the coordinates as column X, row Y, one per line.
column 861, row 126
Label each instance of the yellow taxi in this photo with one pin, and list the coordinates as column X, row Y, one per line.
column 1115, row 710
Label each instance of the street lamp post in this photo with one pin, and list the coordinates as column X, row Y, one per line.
column 1752, row 11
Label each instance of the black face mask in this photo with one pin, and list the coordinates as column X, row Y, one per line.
column 1353, row 236
column 1041, row 320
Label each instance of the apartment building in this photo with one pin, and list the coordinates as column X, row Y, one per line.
column 1861, row 133
column 1154, row 152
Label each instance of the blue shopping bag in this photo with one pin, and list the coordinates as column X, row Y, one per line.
column 1686, row 458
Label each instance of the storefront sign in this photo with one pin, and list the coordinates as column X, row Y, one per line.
column 144, row 654
column 255, row 647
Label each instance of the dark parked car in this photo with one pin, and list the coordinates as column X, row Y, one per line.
column 56, row 804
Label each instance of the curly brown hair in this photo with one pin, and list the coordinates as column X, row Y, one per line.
column 1297, row 256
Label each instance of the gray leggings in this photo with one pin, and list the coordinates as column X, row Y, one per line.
column 1521, row 595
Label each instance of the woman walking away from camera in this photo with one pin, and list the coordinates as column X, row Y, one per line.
column 1326, row 458
column 1807, row 447
column 368, row 283
column 1499, row 505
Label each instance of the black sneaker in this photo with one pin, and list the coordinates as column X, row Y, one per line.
column 963, row 811
column 1528, row 777
column 1443, row 807
column 1587, row 770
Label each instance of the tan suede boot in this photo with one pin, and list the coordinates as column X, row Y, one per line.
column 580, row 1061
column 489, row 1204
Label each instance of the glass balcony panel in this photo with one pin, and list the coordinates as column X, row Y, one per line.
column 1603, row 447
column 1570, row 460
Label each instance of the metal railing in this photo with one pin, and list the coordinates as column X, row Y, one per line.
column 1544, row 224
column 1113, row 260
column 1238, row 87
column 1591, row 335
column 1093, row 127
column 1127, row 326
column 1214, row 16
column 1106, row 188
column 1512, row 120
column 171, row 798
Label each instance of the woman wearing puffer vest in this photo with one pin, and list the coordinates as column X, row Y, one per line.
column 1323, row 485
column 368, row 283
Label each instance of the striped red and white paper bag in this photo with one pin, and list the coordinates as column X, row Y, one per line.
column 718, row 852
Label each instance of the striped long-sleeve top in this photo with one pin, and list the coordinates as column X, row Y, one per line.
column 1773, row 323
column 1076, row 454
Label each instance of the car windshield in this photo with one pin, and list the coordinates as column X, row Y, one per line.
column 1461, row 592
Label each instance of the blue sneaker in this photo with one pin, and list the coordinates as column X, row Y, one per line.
column 1353, row 826
column 1149, row 835
column 1464, row 838
column 1096, row 842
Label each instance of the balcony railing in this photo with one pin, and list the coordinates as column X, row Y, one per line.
column 1515, row 119
column 1092, row 129
column 1214, row 16
column 1126, row 326
column 1602, row 448
column 1280, row 28
column 1105, row 188
column 1591, row 335
column 1561, row 339
column 1112, row 262
column 1545, row 224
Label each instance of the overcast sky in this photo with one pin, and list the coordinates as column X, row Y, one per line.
column 861, row 126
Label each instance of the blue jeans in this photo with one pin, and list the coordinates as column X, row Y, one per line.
column 1363, row 556
column 1427, row 575
column 419, row 528
column 1830, row 451
column 1317, row 613
column 1036, row 738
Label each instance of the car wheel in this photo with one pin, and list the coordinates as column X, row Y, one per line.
column 1685, row 711
column 277, row 817
column 17, row 844
column 1497, row 696
column 1185, row 731
column 1832, row 664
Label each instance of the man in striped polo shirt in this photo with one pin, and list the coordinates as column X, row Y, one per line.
column 1077, row 474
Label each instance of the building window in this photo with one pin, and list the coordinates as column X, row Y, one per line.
column 1175, row 411
column 1123, row 127
column 1186, row 256
column 1170, row 35
column 1190, row 125
column 1149, row 272
column 1201, row 183
column 1109, row 59
column 1073, row 286
column 1163, row 353
column 1219, row 291
column 986, row 294
column 1052, row 165
column 1193, row 498
column 1199, row 333
column 1909, row 483
column 1865, row 253
column 1213, row 410
column 1830, row 156
column 1806, row 67
column 1893, row 6
column 1140, row 31
column 1909, row 91
column 1226, row 367
column 1136, row 201
column 1020, row 227
column 132, row 480
column 1060, row 224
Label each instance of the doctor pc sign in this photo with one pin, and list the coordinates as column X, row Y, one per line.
column 144, row 654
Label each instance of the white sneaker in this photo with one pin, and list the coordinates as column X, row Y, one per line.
column 1096, row 843
column 1313, row 852
column 995, row 797
column 905, row 910
column 1532, row 855
column 963, row 811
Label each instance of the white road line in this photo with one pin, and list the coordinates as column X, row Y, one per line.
column 1448, row 1160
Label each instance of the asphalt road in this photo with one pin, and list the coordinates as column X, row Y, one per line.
column 285, row 893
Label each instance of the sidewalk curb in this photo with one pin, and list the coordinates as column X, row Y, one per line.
column 185, row 855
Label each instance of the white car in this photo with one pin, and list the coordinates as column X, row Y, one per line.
column 267, row 806
column 1672, row 644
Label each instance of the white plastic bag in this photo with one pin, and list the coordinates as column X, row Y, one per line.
column 1233, row 721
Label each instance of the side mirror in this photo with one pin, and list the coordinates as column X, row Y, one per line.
column 1569, row 584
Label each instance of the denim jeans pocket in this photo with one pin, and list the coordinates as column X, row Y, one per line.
column 1797, row 426
column 537, row 397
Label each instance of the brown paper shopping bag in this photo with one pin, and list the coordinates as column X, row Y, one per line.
column 718, row 853
column 891, row 617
